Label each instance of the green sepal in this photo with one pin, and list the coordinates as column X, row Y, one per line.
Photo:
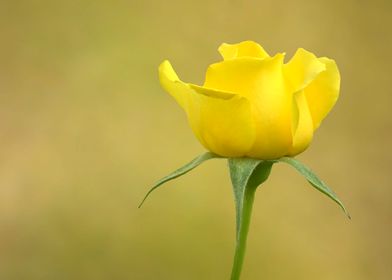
column 314, row 181
column 181, row 171
column 246, row 175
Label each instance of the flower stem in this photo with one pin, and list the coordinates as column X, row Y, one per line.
column 243, row 221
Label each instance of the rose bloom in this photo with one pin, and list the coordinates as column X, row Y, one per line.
column 254, row 105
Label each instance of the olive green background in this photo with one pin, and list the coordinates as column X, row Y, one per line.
column 85, row 130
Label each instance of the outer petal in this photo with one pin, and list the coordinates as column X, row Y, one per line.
column 263, row 83
column 323, row 92
column 302, row 69
column 245, row 48
column 320, row 79
column 222, row 121
column 302, row 128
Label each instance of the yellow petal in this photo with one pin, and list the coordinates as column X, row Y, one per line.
column 245, row 48
column 262, row 82
column 222, row 121
column 315, row 84
column 323, row 92
column 246, row 76
column 172, row 84
column 302, row 69
column 302, row 124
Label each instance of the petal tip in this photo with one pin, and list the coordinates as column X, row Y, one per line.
column 244, row 48
column 164, row 65
column 166, row 71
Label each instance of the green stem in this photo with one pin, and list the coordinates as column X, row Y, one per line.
column 243, row 218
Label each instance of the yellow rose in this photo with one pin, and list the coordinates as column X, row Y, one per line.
column 255, row 105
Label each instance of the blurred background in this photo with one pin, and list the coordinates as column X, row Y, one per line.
column 85, row 130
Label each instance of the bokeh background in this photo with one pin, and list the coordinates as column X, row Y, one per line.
column 85, row 130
